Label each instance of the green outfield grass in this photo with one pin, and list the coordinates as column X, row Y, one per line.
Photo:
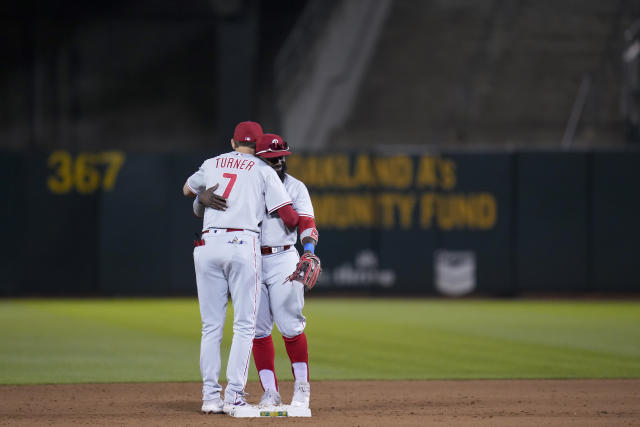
column 123, row 340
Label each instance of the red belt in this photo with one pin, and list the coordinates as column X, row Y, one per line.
column 268, row 250
column 228, row 230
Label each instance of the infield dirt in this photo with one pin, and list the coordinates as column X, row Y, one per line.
column 354, row 403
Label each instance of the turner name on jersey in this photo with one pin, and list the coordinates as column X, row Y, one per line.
column 230, row 163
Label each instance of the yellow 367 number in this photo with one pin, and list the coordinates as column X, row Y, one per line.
column 86, row 173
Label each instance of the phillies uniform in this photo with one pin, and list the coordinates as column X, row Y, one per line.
column 227, row 261
column 282, row 301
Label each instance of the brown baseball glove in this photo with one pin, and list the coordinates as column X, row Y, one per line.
column 307, row 271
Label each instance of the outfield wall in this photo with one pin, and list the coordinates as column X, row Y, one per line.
column 491, row 223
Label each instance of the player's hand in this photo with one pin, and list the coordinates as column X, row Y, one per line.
column 211, row 200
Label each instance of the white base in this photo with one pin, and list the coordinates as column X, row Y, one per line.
column 296, row 411
column 251, row 411
column 247, row 411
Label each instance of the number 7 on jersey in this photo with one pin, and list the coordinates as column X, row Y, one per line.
column 232, row 180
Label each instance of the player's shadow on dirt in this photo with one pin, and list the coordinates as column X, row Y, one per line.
column 189, row 406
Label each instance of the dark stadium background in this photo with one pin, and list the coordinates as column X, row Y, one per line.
column 107, row 107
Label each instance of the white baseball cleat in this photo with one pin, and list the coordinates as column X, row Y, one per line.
column 301, row 392
column 239, row 407
column 270, row 398
column 212, row 406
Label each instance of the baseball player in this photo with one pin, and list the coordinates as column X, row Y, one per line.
column 227, row 259
column 282, row 299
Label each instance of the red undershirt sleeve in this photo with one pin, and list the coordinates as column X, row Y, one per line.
column 289, row 216
column 305, row 223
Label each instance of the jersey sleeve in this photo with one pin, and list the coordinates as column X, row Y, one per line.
column 275, row 195
column 198, row 208
column 196, row 181
column 302, row 201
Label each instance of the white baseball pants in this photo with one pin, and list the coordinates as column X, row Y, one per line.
column 281, row 299
column 228, row 263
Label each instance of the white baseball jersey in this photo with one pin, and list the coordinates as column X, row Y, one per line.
column 273, row 230
column 282, row 301
column 234, row 170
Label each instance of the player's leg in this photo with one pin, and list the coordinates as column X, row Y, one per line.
column 263, row 351
column 244, row 277
column 298, row 354
column 287, row 302
column 212, row 299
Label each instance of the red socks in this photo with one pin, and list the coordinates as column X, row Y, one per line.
column 264, row 356
column 297, row 351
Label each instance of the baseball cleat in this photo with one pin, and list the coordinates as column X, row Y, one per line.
column 237, row 407
column 212, row 406
column 241, row 410
column 270, row 398
column 301, row 392
column 231, row 408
